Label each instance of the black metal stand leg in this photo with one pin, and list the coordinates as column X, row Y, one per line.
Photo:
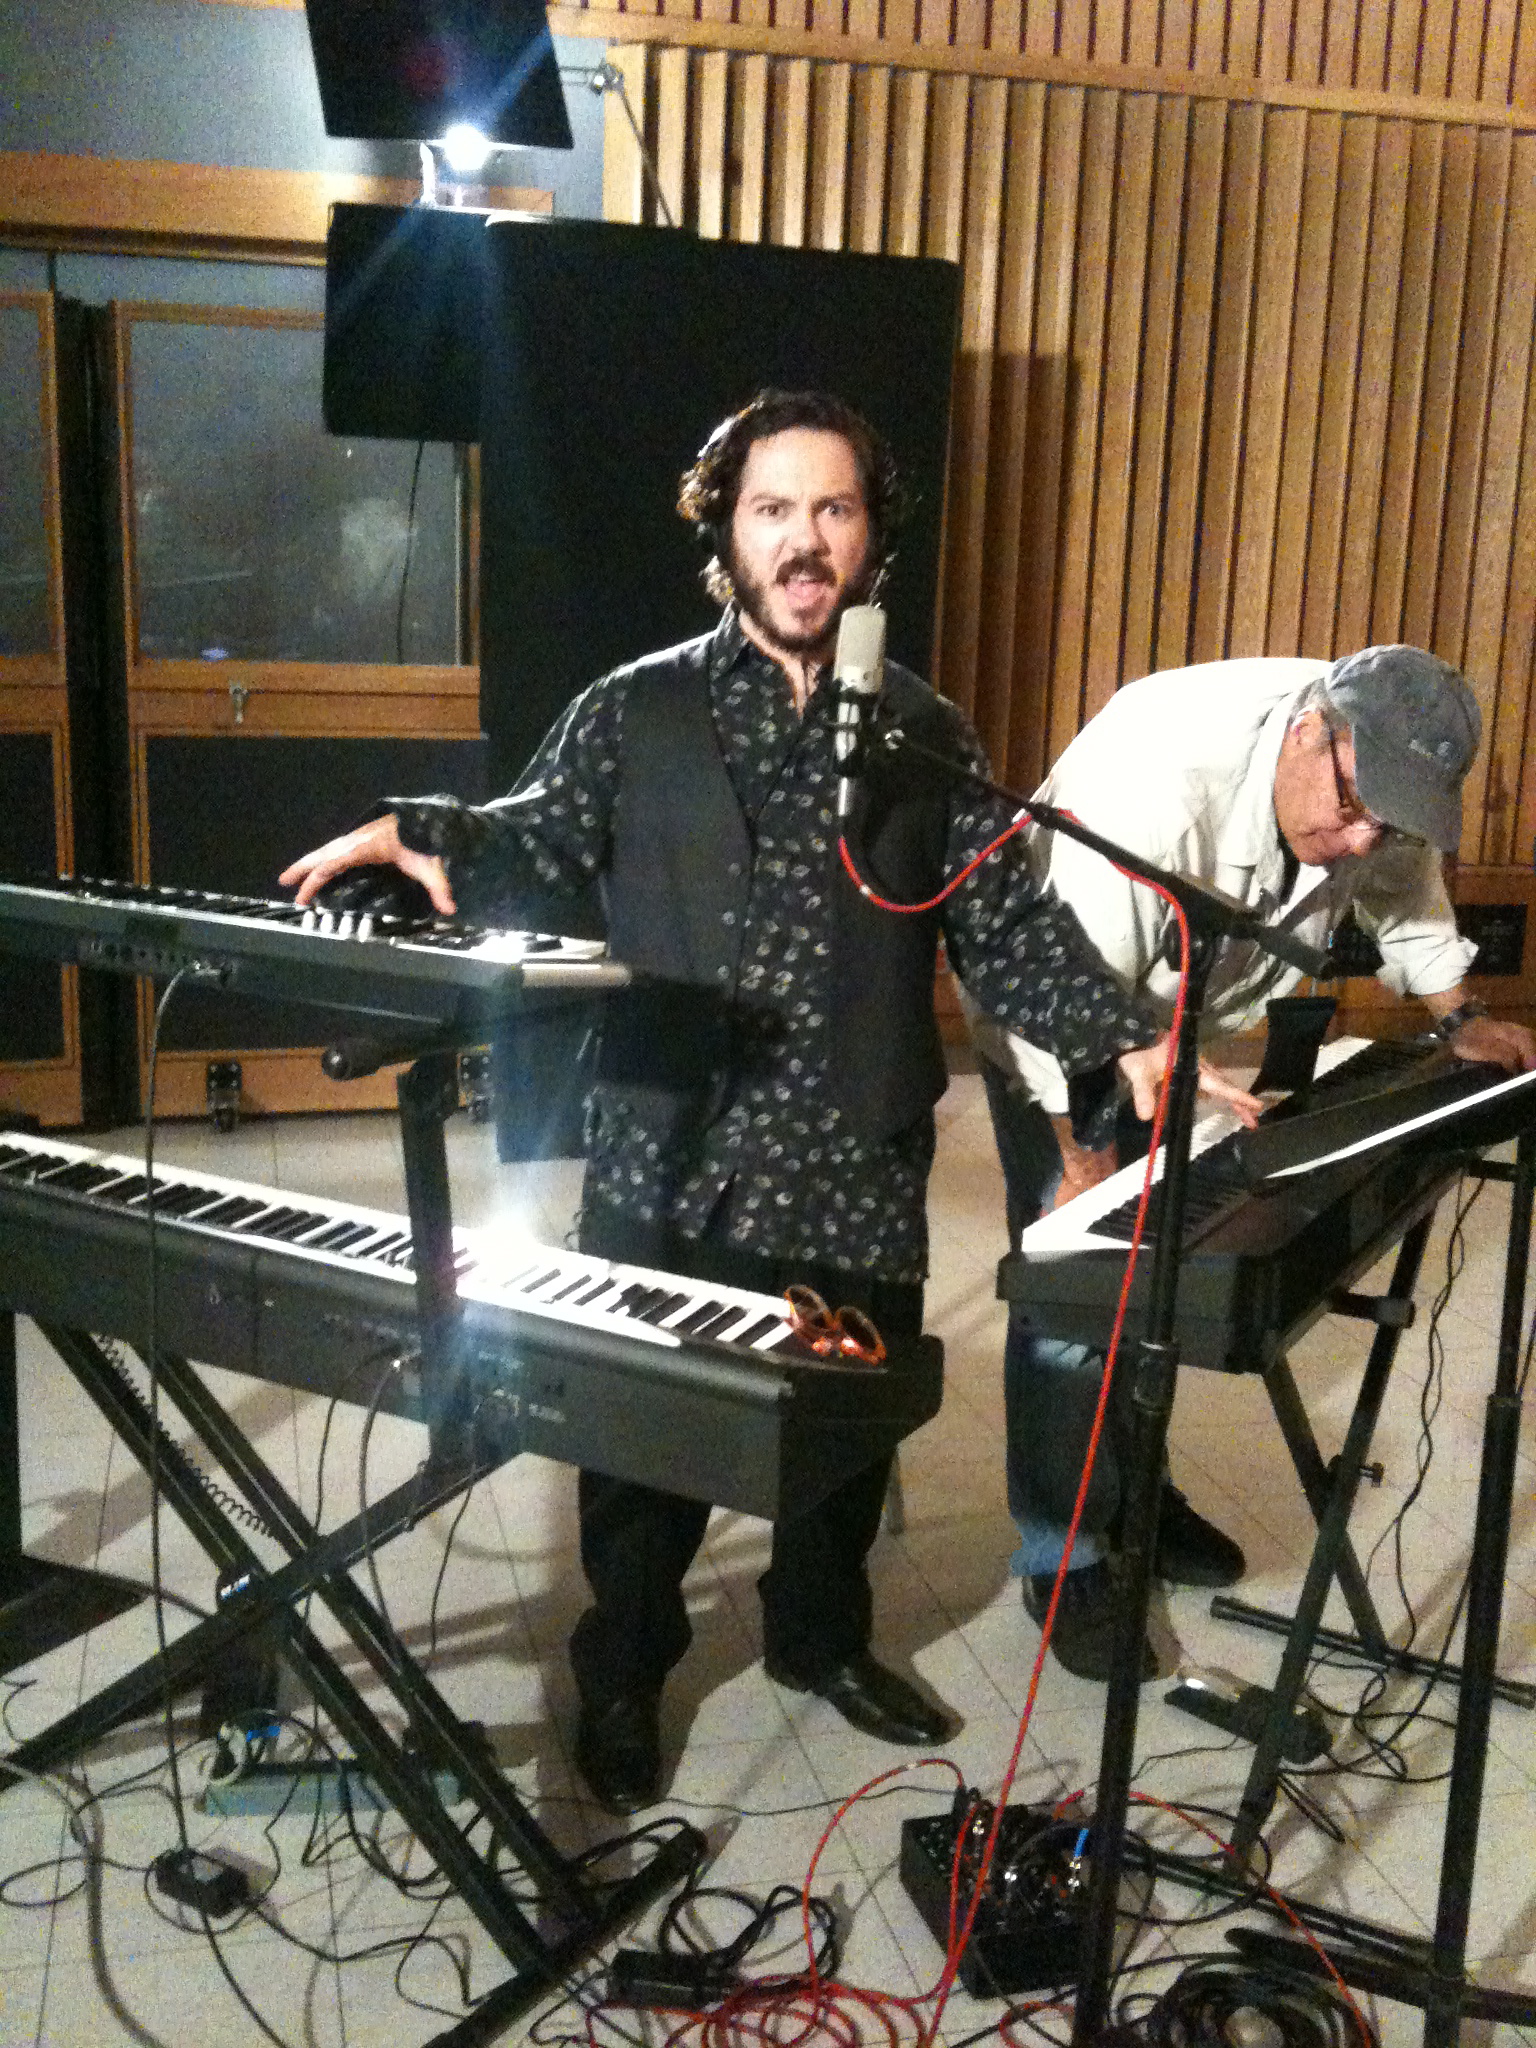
column 1156, row 1378
column 1387, row 1961
column 10, row 1442
column 1349, row 1649
column 574, row 1916
column 435, row 1724
column 1384, row 1972
column 261, row 1599
column 410, row 1686
column 1485, row 1594
column 1264, row 1771
column 1315, row 1482
column 429, row 1095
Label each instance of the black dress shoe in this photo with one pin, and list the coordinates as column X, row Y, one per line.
column 871, row 1699
column 618, row 1751
column 1190, row 1550
column 1083, row 1638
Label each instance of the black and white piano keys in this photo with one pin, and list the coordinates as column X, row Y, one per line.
column 638, row 1373
column 1260, row 1263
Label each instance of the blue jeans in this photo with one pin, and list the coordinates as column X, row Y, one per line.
column 1051, row 1386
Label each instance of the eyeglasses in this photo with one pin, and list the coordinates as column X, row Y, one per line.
column 1351, row 810
column 833, row 1332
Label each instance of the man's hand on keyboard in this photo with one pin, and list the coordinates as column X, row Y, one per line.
column 1218, row 1086
column 1500, row 1044
column 1143, row 1069
column 372, row 845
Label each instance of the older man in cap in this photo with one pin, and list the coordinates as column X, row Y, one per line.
column 1305, row 790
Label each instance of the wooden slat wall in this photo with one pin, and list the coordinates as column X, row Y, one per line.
column 1424, row 50
column 1234, row 379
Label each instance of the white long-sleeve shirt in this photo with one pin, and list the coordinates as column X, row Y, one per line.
column 1180, row 768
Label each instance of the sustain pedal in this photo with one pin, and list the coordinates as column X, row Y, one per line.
column 1242, row 1710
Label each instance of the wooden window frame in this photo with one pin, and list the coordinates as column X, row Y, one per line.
column 44, row 670
column 142, row 207
column 282, row 699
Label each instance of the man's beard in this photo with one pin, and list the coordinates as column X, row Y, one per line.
column 752, row 599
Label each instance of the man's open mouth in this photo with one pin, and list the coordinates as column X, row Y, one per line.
column 805, row 572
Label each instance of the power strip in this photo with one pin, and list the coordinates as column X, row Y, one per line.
column 307, row 1789
column 1028, row 1925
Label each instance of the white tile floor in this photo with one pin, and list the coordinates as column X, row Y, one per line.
column 83, row 1959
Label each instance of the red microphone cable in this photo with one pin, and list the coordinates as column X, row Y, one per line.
column 910, row 909
column 960, row 1938
column 946, row 1982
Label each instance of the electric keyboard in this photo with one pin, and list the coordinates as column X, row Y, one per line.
column 702, row 1390
column 1259, row 1263
column 426, row 971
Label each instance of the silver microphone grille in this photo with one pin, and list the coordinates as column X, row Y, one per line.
column 861, row 648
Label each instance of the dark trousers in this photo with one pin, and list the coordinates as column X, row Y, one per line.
column 637, row 1542
column 1051, row 1386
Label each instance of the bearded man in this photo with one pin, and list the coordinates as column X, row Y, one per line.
column 776, row 1126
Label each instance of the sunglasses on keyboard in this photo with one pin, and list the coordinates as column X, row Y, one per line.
column 833, row 1332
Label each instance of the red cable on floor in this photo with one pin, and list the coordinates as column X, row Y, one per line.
column 793, row 2011
column 952, row 1963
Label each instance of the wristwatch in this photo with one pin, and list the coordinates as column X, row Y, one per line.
column 1445, row 1028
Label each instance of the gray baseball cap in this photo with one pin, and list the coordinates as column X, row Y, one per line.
column 1416, row 730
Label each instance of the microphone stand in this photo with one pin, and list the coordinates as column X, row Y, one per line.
column 1213, row 918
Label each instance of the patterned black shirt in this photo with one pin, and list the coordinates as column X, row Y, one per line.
column 795, row 1179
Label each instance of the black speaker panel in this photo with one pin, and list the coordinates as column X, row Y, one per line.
column 93, row 653
column 610, row 354
column 404, row 314
column 228, row 813
column 405, row 70
column 31, row 991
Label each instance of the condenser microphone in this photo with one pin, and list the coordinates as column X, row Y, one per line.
column 857, row 672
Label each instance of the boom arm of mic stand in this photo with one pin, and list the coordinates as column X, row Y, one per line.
column 1209, row 910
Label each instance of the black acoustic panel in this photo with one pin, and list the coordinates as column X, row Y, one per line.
column 404, row 306
column 98, row 752
column 611, row 352
column 229, row 813
column 407, row 70
column 31, row 993
column 95, row 656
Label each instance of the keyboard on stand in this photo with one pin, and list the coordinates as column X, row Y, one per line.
column 499, row 1345
column 1260, row 1262
column 640, row 1374
column 430, row 971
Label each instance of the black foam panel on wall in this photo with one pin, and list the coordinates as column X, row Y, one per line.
column 229, row 813
column 408, row 69
column 404, row 302
column 31, row 992
column 610, row 353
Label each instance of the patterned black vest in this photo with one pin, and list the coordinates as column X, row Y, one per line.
column 682, row 858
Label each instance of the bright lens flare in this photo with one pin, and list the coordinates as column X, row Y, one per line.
column 465, row 149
